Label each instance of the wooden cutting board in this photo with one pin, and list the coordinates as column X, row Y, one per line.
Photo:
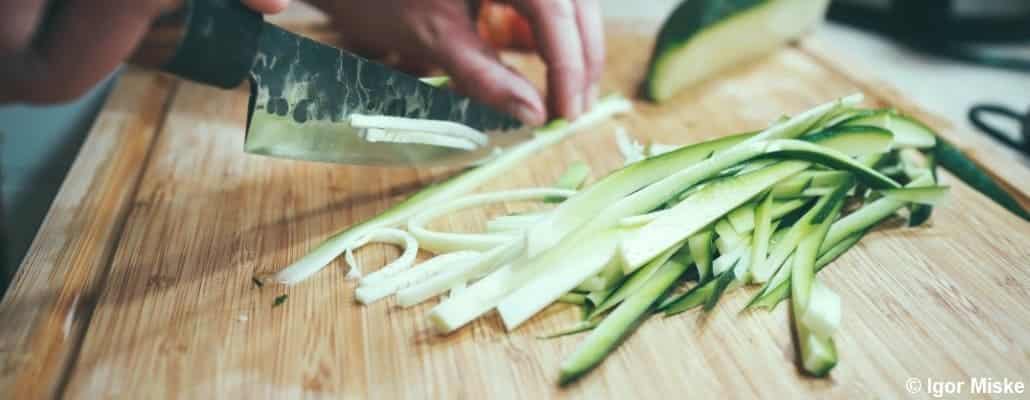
column 139, row 284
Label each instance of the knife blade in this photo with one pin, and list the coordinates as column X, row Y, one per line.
column 303, row 91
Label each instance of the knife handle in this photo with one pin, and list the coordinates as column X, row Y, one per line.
column 208, row 41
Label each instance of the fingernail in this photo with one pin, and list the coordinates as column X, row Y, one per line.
column 525, row 113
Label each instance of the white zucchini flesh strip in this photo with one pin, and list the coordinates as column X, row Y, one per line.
column 640, row 220
column 507, row 223
column 743, row 218
column 442, row 242
column 370, row 293
column 823, row 314
column 398, row 136
column 465, row 271
column 510, row 158
column 699, row 210
column 458, row 288
column 431, row 126
column 384, row 235
column 728, row 238
column 545, row 288
column 632, row 151
column 487, row 293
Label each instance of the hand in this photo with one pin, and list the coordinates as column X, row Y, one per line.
column 568, row 34
column 87, row 41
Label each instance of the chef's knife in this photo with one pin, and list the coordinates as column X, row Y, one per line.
column 303, row 91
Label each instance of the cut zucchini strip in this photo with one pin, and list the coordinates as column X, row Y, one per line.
column 636, row 281
column 573, row 178
column 369, row 293
column 443, row 242
column 702, row 251
column 385, row 235
column 460, row 273
column 587, row 204
column 927, row 195
column 699, row 210
column 375, row 135
column 336, row 244
column 433, row 127
column 543, row 289
column 631, row 150
column 620, row 323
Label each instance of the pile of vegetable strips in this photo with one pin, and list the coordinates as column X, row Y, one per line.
column 675, row 229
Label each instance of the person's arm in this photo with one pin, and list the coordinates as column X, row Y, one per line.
column 86, row 41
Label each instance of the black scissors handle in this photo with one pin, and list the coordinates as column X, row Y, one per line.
column 1021, row 144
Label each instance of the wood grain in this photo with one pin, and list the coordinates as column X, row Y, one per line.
column 47, row 309
column 178, row 316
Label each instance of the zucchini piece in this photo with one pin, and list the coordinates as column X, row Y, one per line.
column 573, row 179
column 721, row 284
column 908, row 133
column 665, row 176
column 700, row 245
column 639, row 278
column 795, row 149
column 620, row 322
column 579, row 327
column 843, row 234
column 456, row 186
column 588, row 255
column 573, row 298
column 774, row 296
column 696, row 296
column 763, row 233
column 818, row 353
column 700, row 210
column 728, row 239
column 599, row 296
column 926, row 195
column 966, row 170
column 854, row 140
column 703, row 37
column 773, row 266
column 743, row 218
column 915, row 164
column 609, row 277
column 824, row 310
column 587, row 204
column 543, row 288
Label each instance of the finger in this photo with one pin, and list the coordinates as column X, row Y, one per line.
column 557, row 35
column 591, row 30
column 267, row 6
column 478, row 72
column 19, row 23
column 86, row 40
